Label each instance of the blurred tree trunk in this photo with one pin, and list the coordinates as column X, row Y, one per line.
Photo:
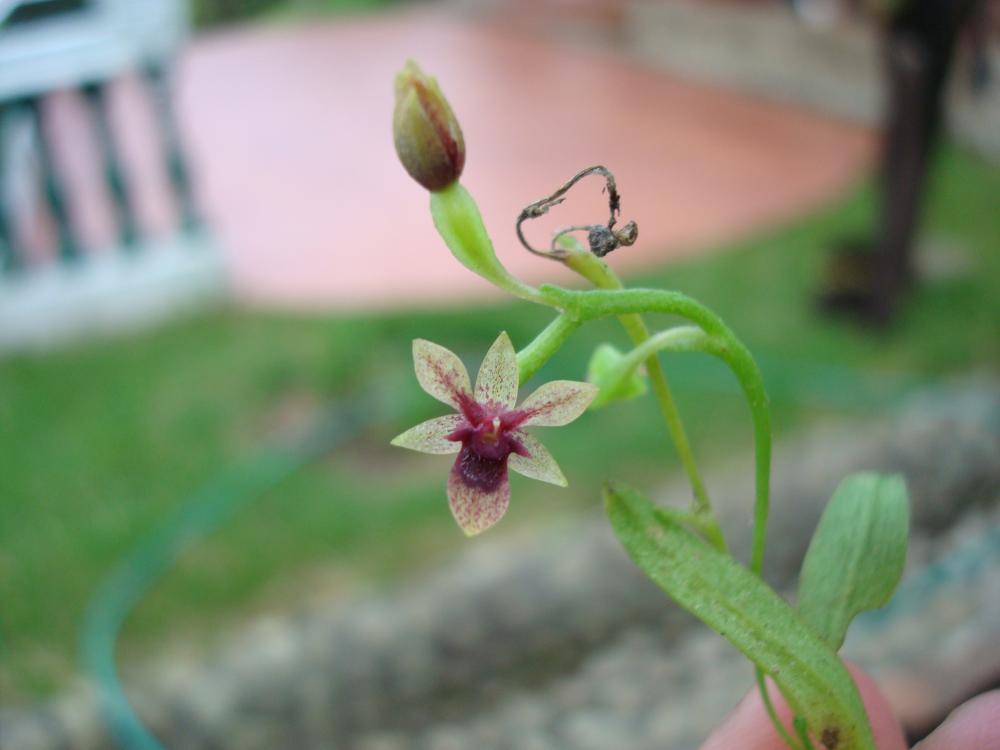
column 920, row 41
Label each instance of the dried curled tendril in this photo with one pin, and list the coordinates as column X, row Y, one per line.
column 602, row 238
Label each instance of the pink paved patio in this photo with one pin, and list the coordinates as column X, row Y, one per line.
column 289, row 132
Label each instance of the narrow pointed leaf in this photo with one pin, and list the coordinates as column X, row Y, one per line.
column 856, row 556
column 745, row 611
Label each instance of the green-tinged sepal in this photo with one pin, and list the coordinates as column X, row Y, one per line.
column 427, row 135
column 856, row 556
column 605, row 371
column 740, row 607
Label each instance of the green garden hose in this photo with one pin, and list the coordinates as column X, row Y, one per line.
column 201, row 514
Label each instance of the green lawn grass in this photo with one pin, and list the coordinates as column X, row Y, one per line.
column 206, row 13
column 99, row 444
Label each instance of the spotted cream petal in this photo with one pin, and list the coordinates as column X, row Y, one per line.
column 476, row 508
column 557, row 403
column 440, row 372
column 498, row 377
column 538, row 464
column 431, row 436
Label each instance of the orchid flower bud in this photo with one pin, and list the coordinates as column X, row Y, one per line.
column 427, row 136
column 604, row 371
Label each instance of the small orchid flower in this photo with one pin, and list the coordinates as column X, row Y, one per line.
column 486, row 432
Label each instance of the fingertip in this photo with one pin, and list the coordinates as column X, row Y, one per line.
column 886, row 728
column 749, row 728
column 975, row 725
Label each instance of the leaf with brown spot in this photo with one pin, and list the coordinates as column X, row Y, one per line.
column 749, row 614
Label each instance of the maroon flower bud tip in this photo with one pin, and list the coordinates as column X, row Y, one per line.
column 427, row 136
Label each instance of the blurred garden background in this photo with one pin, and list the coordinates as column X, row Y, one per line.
column 741, row 182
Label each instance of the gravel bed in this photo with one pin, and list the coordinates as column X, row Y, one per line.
column 554, row 640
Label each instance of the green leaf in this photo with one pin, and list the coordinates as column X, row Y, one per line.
column 601, row 371
column 745, row 611
column 856, row 556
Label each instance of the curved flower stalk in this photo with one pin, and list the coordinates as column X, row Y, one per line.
column 862, row 537
column 487, row 432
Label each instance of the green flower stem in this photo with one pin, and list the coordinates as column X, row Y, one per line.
column 802, row 729
column 681, row 339
column 600, row 275
column 689, row 338
column 545, row 345
column 590, row 305
column 460, row 224
column 704, row 525
column 723, row 343
column 772, row 714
